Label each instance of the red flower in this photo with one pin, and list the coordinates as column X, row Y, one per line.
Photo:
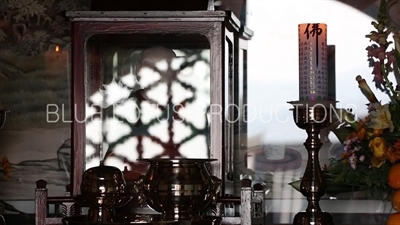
column 391, row 58
column 377, row 71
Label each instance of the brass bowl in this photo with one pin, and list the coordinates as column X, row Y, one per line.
column 103, row 180
column 179, row 188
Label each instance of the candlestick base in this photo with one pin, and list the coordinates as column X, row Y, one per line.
column 312, row 116
column 315, row 218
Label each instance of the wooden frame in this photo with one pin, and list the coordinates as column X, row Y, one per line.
column 216, row 26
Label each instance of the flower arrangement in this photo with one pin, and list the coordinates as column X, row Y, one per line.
column 371, row 146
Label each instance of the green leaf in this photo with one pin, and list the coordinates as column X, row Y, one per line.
column 396, row 68
column 296, row 185
column 342, row 133
column 332, row 187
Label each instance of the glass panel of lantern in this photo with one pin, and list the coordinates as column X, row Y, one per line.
column 146, row 96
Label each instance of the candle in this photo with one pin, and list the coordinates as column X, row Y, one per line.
column 313, row 62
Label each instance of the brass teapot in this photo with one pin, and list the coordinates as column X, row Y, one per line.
column 102, row 189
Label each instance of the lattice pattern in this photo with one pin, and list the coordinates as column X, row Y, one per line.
column 153, row 106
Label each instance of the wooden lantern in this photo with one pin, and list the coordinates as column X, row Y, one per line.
column 109, row 49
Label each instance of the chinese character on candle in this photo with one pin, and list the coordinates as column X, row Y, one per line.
column 313, row 62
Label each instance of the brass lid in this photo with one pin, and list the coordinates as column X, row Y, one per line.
column 103, row 180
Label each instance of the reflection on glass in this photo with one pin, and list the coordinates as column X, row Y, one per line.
column 273, row 80
column 275, row 146
column 153, row 102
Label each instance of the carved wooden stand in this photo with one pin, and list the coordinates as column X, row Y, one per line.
column 312, row 117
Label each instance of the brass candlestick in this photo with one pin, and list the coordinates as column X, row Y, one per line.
column 312, row 117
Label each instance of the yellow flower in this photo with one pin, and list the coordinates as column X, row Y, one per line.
column 380, row 117
column 378, row 147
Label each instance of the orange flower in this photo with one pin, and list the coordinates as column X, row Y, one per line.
column 361, row 125
column 345, row 155
column 361, row 133
column 4, row 160
column 393, row 154
column 367, row 119
column 352, row 135
column 378, row 132
column 396, row 145
column 6, row 167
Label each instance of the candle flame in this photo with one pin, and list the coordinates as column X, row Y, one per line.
column 57, row 49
